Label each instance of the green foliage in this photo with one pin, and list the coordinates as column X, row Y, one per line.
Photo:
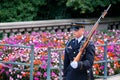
column 54, row 9
column 19, row 10
column 89, row 5
column 27, row 10
column 108, row 32
column 1, row 36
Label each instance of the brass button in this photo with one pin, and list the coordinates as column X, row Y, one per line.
column 74, row 52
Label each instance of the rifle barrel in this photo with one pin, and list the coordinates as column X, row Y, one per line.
column 77, row 58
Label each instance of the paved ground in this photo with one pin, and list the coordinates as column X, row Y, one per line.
column 115, row 77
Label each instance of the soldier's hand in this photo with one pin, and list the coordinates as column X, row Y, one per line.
column 74, row 64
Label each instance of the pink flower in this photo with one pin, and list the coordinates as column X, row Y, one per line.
column 53, row 74
column 45, row 74
column 36, row 78
column 101, row 67
column 38, row 73
column 44, row 66
column 1, row 53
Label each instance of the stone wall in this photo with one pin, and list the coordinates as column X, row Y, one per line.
column 55, row 25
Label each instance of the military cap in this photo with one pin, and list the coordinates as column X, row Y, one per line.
column 78, row 25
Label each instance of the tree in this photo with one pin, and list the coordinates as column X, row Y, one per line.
column 54, row 9
column 28, row 10
column 89, row 5
column 19, row 10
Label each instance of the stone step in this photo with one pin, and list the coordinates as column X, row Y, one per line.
column 115, row 77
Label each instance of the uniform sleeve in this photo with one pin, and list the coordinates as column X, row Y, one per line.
column 89, row 57
column 66, row 63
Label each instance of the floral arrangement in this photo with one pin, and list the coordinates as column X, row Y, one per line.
column 113, row 52
column 55, row 40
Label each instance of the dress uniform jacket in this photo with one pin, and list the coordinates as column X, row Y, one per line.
column 84, row 69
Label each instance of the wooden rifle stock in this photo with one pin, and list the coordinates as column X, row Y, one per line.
column 77, row 58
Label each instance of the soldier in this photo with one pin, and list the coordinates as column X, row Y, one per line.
column 81, row 70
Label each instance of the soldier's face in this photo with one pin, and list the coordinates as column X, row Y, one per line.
column 78, row 33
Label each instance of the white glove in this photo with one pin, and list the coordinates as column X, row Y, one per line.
column 74, row 64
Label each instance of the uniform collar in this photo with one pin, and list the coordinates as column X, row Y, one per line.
column 80, row 38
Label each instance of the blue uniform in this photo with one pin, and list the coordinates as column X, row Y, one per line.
column 84, row 69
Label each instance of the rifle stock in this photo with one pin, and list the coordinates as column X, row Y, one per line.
column 77, row 58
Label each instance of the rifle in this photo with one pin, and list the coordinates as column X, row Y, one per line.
column 77, row 58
